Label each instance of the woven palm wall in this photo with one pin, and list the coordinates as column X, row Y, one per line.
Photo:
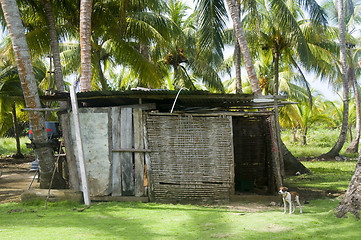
column 191, row 158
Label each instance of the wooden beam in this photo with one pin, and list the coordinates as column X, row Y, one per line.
column 43, row 109
column 131, row 150
column 126, row 158
column 116, row 167
column 139, row 155
column 119, row 199
column 79, row 145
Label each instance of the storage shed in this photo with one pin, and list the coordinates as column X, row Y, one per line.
column 175, row 146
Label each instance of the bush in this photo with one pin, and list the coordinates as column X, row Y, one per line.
column 8, row 146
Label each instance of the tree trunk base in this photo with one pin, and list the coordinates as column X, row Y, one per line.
column 353, row 148
column 342, row 210
column 352, row 200
column 18, row 156
column 292, row 165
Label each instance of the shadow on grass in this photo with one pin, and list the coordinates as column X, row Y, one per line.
column 164, row 221
column 107, row 221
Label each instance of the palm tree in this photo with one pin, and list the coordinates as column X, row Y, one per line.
column 345, row 85
column 280, row 35
column 85, row 44
column 311, row 115
column 190, row 64
column 54, row 43
column 212, row 15
column 241, row 39
column 28, row 83
column 123, row 41
column 237, row 57
column 353, row 147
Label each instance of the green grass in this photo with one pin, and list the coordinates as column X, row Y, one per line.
column 164, row 221
column 320, row 140
column 326, row 175
column 8, row 146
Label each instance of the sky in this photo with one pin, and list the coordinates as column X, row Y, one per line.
column 321, row 86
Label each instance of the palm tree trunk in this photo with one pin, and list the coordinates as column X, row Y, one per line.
column 54, row 44
column 237, row 65
column 85, row 44
column 28, row 84
column 16, row 130
column 58, row 181
column 294, row 136
column 237, row 58
column 353, row 148
column 101, row 74
column 351, row 203
column 276, row 61
column 304, row 136
column 241, row 37
column 342, row 137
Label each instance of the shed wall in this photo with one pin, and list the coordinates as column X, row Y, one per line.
column 191, row 157
column 94, row 124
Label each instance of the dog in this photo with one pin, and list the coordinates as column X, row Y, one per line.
column 291, row 198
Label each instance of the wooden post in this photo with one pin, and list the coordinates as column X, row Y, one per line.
column 74, row 180
column 138, row 156
column 84, row 180
column 232, row 173
column 126, row 158
column 116, row 168
column 148, row 165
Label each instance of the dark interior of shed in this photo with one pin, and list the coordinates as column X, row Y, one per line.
column 252, row 155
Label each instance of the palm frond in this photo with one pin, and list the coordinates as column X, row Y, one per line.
column 212, row 21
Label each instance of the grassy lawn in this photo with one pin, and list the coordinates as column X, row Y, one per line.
column 163, row 221
column 326, row 175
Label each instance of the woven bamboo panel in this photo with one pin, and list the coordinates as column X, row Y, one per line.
column 191, row 158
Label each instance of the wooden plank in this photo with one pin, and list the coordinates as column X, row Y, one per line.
column 43, row 109
column 116, row 167
column 84, row 180
column 119, row 199
column 74, row 178
column 126, row 139
column 131, row 150
column 232, row 173
column 148, row 167
column 138, row 156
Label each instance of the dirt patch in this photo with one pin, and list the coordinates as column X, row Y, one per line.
column 15, row 178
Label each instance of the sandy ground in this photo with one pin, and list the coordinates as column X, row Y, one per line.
column 15, row 178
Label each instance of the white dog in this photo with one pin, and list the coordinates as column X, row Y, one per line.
column 290, row 197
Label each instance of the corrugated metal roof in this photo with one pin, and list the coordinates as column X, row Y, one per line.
column 164, row 99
